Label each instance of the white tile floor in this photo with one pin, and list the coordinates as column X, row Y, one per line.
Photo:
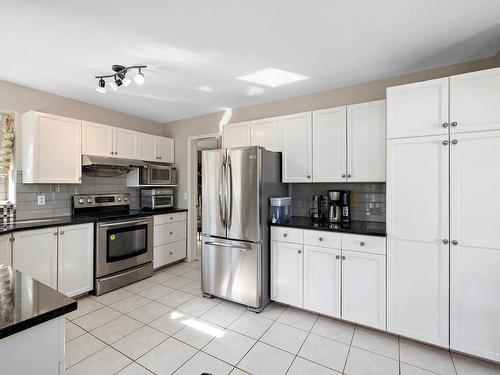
column 162, row 325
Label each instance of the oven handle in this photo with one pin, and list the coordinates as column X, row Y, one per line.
column 137, row 222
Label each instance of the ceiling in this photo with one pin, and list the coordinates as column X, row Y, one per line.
column 59, row 45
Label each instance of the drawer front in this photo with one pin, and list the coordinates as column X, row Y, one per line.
column 284, row 234
column 169, row 218
column 166, row 233
column 168, row 253
column 322, row 239
column 365, row 244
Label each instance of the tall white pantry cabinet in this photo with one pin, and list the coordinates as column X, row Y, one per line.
column 443, row 234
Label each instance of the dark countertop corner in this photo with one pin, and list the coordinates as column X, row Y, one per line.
column 26, row 302
column 356, row 227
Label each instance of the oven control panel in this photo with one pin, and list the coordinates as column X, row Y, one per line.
column 101, row 200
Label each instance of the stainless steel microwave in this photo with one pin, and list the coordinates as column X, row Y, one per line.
column 153, row 174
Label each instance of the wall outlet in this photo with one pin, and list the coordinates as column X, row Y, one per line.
column 185, row 196
column 41, row 200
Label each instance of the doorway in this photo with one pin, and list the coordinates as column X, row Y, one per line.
column 196, row 145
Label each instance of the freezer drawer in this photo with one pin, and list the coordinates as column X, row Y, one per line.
column 232, row 270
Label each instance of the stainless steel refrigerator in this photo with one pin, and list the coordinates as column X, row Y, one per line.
column 236, row 186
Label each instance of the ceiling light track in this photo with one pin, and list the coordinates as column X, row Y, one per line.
column 119, row 77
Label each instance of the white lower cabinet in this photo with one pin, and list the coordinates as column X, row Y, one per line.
column 75, row 254
column 34, row 252
column 322, row 280
column 286, row 272
column 169, row 238
column 363, row 288
column 5, row 250
column 315, row 275
column 61, row 258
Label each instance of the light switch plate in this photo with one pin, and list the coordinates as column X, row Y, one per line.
column 185, row 196
column 41, row 200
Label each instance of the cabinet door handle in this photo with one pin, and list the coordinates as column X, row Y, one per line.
column 171, row 233
column 343, row 175
column 285, row 235
column 349, row 175
column 320, row 239
column 308, row 176
column 299, row 251
column 445, row 241
column 445, row 124
column 455, row 141
column 445, row 143
column 62, row 232
column 454, row 123
column 362, row 243
column 111, row 152
column 454, row 242
column 171, row 253
column 343, row 257
column 337, row 256
column 55, row 233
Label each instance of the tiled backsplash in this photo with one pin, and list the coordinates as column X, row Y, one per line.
column 58, row 197
column 367, row 199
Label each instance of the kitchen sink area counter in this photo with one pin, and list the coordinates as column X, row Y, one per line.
column 368, row 228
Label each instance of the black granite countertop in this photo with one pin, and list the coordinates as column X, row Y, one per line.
column 26, row 302
column 356, row 227
column 78, row 219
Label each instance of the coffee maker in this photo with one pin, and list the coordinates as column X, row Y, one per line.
column 334, row 207
column 339, row 209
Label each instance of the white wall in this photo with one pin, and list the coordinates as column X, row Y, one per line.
column 182, row 129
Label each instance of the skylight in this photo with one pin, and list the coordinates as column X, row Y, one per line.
column 273, row 77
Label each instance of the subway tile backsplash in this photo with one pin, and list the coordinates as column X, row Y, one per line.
column 58, row 197
column 367, row 199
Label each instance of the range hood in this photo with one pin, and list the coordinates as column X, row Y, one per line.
column 102, row 166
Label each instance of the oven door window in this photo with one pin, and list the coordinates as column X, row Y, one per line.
column 163, row 201
column 125, row 243
column 160, row 174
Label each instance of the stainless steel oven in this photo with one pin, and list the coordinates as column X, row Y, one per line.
column 154, row 174
column 124, row 252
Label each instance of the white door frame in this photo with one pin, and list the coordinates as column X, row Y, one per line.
column 192, row 182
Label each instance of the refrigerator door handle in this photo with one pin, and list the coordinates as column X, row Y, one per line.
column 230, row 184
column 220, row 244
column 222, row 200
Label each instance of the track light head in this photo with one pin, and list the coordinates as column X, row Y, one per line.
column 101, row 86
column 139, row 78
column 118, row 82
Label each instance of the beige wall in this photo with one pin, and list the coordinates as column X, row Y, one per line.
column 180, row 130
column 20, row 99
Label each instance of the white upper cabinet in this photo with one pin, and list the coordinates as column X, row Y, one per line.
column 51, row 149
column 97, row 139
column 417, row 235
column 363, row 288
column 125, row 143
column 418, row 109
column 147, row 147
column 475, row 256
column 365, row 142
column 322, row 280
column 34, row 252
column 75, row 259
column 474, row 101
column 329, row 145
column 236, row 135
column 297, row 148
column 286, row 272
column 165, row 149
column 267, row 133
